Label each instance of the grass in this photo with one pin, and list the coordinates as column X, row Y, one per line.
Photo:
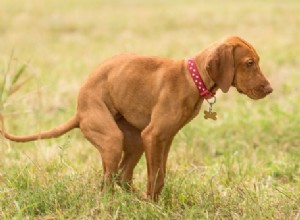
column 246, row 165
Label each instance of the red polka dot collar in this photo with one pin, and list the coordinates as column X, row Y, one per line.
column 203, row 91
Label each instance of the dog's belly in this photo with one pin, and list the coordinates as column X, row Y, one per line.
column 134, row 99
column 136, row 116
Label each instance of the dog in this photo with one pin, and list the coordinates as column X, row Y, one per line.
column 133, row 104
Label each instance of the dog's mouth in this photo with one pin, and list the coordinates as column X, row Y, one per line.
column 258, row 92
column 240, row 91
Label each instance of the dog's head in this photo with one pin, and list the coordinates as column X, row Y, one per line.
column 234, row 62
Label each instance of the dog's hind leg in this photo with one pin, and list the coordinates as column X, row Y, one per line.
column 132, row 152
column 99, row 127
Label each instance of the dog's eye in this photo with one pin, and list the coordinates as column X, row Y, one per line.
column 249, row 63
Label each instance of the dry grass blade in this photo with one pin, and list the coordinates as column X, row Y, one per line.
column 9, row 87
column 1, row 120
column 5, row 76
column 2, row 87
column 15, row 87
column 1, row 125
column 19, row 73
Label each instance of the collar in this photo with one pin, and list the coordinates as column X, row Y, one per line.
column 203, row 91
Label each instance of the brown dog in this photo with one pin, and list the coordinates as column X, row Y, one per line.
column 133, row 104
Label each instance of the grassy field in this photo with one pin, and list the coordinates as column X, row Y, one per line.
column 246, row 165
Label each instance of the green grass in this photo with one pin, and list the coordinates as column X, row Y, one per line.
column 246, row 165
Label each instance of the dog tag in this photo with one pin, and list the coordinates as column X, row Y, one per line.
column 210, row 115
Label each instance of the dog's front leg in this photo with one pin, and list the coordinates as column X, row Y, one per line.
column 154, row 145
column 157, row 138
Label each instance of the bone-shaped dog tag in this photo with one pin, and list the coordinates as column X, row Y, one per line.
column 210, row 115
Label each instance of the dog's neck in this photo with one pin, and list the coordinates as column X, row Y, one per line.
column 198, row 79
column 200, row 61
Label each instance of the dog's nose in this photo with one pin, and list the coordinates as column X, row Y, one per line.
column 268, row 89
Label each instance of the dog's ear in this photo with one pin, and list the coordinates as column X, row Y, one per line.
column 220, row 66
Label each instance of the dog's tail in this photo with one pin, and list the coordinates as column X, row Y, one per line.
column 55, row 132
